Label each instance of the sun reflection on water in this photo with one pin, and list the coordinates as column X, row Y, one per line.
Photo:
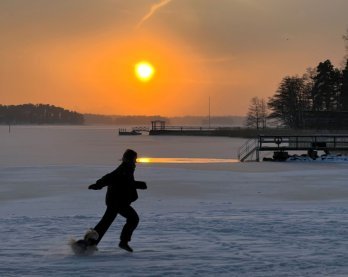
column 185, row 160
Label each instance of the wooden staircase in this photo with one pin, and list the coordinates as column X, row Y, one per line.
column 248, row 149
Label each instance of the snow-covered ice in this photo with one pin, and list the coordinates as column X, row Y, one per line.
column 199, row 219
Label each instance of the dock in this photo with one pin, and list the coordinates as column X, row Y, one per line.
column 159, row 128
column 282, row 145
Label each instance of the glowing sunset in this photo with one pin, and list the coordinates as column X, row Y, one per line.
column 81, row 55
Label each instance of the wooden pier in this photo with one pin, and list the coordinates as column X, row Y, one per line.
column 159, row 128
column 281, row 145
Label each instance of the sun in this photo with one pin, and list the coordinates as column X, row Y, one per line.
column 144, row 71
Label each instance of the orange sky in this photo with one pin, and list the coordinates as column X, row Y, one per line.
column 81, row 54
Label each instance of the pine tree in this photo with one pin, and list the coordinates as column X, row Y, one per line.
column 326, row 88
column 290, row 101
column 344, row 88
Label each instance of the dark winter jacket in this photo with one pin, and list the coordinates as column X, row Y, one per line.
column 122, row 188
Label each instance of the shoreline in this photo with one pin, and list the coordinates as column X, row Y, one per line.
column 240, row 132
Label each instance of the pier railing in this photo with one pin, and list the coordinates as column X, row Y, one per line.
column 185, row 128
column 327, row 143
column 310, row 142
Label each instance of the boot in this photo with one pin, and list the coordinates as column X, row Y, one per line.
column 124, row 245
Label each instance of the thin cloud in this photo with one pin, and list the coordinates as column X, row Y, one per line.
column 153, row 9
column 218, row 59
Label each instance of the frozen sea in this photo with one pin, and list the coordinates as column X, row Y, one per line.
column 198, row 218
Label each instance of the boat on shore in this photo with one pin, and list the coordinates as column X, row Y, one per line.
column 124, row 132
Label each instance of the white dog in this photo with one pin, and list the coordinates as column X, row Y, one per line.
column 87, row 245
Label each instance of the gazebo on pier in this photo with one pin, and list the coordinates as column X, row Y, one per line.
column 158, row 125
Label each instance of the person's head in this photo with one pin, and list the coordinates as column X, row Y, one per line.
column 129, row 156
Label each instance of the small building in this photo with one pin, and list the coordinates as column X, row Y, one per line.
column 158, row 125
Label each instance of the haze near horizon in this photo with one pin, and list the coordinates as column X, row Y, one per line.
column 81, row 55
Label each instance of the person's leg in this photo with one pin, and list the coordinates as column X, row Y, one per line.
column 105, row 222
column 132, row 222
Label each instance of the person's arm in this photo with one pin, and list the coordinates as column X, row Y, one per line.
column 95, row 186
column 102, row 182
column 140, row 185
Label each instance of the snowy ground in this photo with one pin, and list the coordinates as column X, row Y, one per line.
column 214, row 219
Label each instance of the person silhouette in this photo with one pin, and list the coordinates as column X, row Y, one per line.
column 121, row 192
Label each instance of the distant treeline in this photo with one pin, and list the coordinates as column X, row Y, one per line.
column 38, row 114
column 143, row 120
column 49, row 114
